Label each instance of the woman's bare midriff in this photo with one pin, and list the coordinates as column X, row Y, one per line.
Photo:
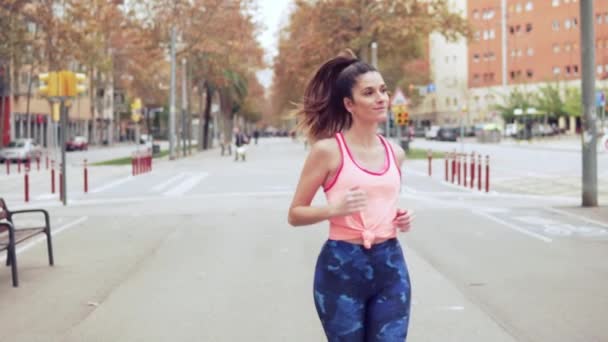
column 360, row 241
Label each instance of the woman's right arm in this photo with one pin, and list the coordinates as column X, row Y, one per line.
column 314, row 173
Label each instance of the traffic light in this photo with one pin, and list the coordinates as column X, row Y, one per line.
column 48, row 84
column 136, row 110
column 80, row 80
column 402, row 117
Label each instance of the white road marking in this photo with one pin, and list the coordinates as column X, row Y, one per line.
column 186, row 185
column 163, row 185
column 54, row 232
column 583, row 218
column 512, row 226
column 112, row 184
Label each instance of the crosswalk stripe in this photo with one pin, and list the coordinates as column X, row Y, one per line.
column 186, row 185
column 163, row 185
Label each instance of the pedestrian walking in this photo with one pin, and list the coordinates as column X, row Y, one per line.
column 361, row 282
column 240, row 142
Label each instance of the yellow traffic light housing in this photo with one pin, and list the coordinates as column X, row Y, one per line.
column 55, row 111
column 80, row 80
column 48, row 84
column 136, row 110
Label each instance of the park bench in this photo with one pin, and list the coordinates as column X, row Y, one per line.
column 11, row 236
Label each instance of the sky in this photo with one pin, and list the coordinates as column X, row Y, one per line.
column 272, row 13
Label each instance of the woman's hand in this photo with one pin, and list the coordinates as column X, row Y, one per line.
column 354, row 201
column 403, row 220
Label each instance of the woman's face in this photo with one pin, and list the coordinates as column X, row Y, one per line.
column 370, row 98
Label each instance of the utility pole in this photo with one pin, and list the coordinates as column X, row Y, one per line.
column 184, row 106
column 172, row 98
column 589, row 116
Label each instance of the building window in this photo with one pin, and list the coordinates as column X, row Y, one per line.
column 512, row 29
column 567, row 24
column 475, row 14
column 556, row 70
column 530, row 51
column 491, row 56
column 512, row 75
column 477, row 35
column 455, row 102
column 529, row 73
column 476, row 78
column 574, row 22
column 518, row 8
column 529, row 6
column 599, row 19
column 529, row 27
column 567, row 47
column 575, row 69
column 599, row 70
column 447, row 101
column 555, row 3
column 567, row 70
column 519, row 53
column 555, row 25
column 556, row 48
column 492, row 34
column 476, row 58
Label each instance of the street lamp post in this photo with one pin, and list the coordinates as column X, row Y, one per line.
column 172, row 98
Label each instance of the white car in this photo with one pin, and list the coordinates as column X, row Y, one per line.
column 21, row 149
column 432, row 132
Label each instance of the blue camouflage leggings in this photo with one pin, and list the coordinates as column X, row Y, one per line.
column 362, row 294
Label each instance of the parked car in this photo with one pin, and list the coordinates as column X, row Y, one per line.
column 419, row 132
column 21, row 149
column 448, row 134
column 431, row 133
column 77, row 143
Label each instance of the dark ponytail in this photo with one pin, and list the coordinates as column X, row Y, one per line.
column 322, row 113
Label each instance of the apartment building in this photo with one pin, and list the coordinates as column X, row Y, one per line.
column 527, row 44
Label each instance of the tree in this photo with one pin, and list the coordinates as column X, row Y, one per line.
column 318, row 30
column 548, row 100
column 516, row 99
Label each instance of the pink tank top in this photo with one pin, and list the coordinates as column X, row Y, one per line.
column 382, row 189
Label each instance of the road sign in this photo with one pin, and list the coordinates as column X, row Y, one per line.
column 399, row 98
column 431, row 88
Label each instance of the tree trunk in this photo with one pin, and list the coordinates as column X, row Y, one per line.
column 2, row 119
column 226, row 110
column 201, row 117
column 209, row 92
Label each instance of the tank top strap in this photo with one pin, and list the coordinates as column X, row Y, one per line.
column 391, row 155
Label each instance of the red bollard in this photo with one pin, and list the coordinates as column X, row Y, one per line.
column 26, row 180
column 458, row 165
column 86, row 178
column 447, row 166
column 28, row 163
column 472, row 170
column 464, row 157
column 453, row 167
column 487, row 173
column 53, row 177
column 18, row 165
column 430, row 156
column 479, row 173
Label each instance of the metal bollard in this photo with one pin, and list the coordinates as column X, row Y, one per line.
column 8, row 166
column 447, row 165
column 47, row 161
column 53, row 177
column 487, row 173
column 18, row 165
column 430, row 156
column 453, row 167
column 479, row 173
column 464, row 157
column 38, row 163
column 86, row 178
column 472, row 170
column 26, row 181
column 458, row 165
